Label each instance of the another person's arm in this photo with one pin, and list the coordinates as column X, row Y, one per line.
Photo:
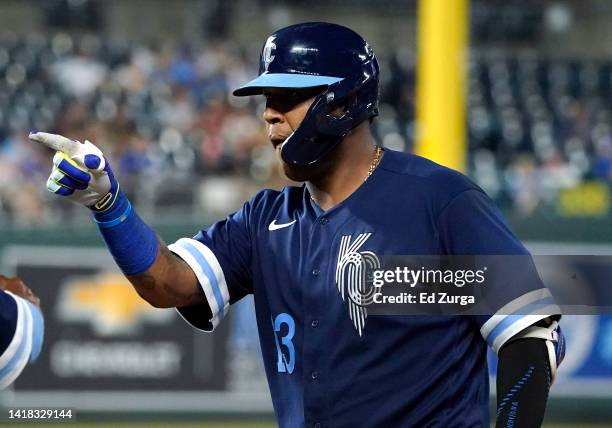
column 21, row 328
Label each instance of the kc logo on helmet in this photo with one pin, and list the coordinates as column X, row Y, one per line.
column 268, row 50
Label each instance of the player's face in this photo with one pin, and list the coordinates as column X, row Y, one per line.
column 285, row 111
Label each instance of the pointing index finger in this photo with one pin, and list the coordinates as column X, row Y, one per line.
column 56, row 142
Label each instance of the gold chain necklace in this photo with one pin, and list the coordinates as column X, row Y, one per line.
column 375, row 161
column 377, row 155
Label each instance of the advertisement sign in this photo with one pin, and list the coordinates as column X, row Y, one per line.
column 100, row 335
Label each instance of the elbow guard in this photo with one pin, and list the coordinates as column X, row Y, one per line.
column 550, row 331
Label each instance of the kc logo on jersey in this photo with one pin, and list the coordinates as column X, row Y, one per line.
column 351, row 277
column 267, row 52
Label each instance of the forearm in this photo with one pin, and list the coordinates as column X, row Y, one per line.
column 523, row 382
column 169, row 282
column 159, row 277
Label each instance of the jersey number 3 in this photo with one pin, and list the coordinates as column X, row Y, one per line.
column 284, row 364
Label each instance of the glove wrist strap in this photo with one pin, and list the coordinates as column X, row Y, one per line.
column 112, row 213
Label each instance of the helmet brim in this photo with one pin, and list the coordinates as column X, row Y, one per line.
column 283, row 80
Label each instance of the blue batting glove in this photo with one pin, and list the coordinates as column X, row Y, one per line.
column 80, row 172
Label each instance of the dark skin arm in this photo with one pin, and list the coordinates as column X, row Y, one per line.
column 18, row 288
column 169, row 282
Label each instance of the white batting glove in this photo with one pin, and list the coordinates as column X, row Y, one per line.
column 80, row 172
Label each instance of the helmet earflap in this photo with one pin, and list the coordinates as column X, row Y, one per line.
column 321, row 131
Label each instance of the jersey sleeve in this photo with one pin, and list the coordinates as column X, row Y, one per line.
column 21, row 336
column 220, row 257
column 471, row 224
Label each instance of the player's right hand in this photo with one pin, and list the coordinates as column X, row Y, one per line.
column 80, row 172
column 18, row 288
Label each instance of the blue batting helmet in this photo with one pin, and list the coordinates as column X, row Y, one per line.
column 330, row 56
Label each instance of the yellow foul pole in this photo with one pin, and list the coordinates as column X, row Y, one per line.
column 441, row 80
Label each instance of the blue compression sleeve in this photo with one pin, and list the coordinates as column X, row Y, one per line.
column 131, row 242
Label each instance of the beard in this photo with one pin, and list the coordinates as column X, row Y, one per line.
column 315, row 172
column 299, row 173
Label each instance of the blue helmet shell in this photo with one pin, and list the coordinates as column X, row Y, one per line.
column 321, row 54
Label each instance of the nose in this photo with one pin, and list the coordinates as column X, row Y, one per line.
column 272, row 116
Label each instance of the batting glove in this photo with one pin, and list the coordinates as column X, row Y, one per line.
column 80, row 172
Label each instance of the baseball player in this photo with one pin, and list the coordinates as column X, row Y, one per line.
column 21, row 328
column 328, row 364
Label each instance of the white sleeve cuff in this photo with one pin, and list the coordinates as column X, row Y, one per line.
column 210, row 276
column 517, row 315
column 17, row 354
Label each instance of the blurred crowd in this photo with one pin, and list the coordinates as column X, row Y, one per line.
column 538, row 125
column 159, row 112
column 163, row 114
